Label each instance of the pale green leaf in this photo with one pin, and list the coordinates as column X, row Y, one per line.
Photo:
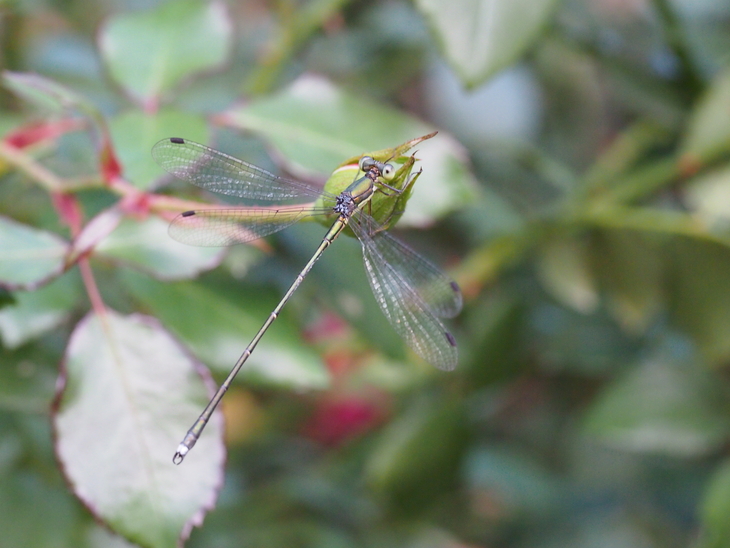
column 36, row 312
column 149, row 53
column 147, row 246
column 28, row 256
column 134, row 133
column 45, row 93
column 709, row 196
column 129, row 394
column 708, row 133
column 481, row 37
column 316, row 126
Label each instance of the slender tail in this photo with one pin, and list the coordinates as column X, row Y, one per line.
column 197, row 429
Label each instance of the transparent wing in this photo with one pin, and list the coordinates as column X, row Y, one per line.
column 402, row 304
column 438, row 291
column 218, row 172
column 222, row 227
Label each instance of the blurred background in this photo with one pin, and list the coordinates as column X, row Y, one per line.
column 578, row 191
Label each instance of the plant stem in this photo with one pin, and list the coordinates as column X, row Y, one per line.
column 18, row 159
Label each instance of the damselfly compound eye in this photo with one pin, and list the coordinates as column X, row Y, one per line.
column 388, row 172
column 366, row 162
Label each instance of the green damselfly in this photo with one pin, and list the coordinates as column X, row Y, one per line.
column 411, row 291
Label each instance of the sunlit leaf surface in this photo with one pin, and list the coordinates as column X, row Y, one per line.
column 129, row 393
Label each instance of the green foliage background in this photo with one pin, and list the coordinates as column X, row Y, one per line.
column 579, row 192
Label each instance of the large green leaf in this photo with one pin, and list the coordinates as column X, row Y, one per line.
column 146, row 245
column 661, row 407
column 218, row 331
column 481, row 37
column 29, row 256
column 149, row 53
column 129, row 392
column 316, row 126
column 134, row 133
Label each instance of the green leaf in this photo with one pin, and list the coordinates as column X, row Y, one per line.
column 149, row 53
column 630, row 270
column 36, row 312
column 28, row 256
column 45, row 93
column 662, row 407
column 134, row 133
column 129, row 392
column 715, row 507
column 708, row 134
column 481, row 37
column 146, row 245
column 701, row 295
column 218, row 331
column 565, row 271
column 24, row 497
column 316, row 126
column 418, row 455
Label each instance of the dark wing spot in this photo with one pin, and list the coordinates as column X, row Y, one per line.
column 450, row 338
column 177, row 140
column 455, row 286
column 188, row 213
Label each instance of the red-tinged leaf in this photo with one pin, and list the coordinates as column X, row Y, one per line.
column 68, row 209
column 127, row 394
column 31, row 134
column 110, row 166
column 94, row 232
